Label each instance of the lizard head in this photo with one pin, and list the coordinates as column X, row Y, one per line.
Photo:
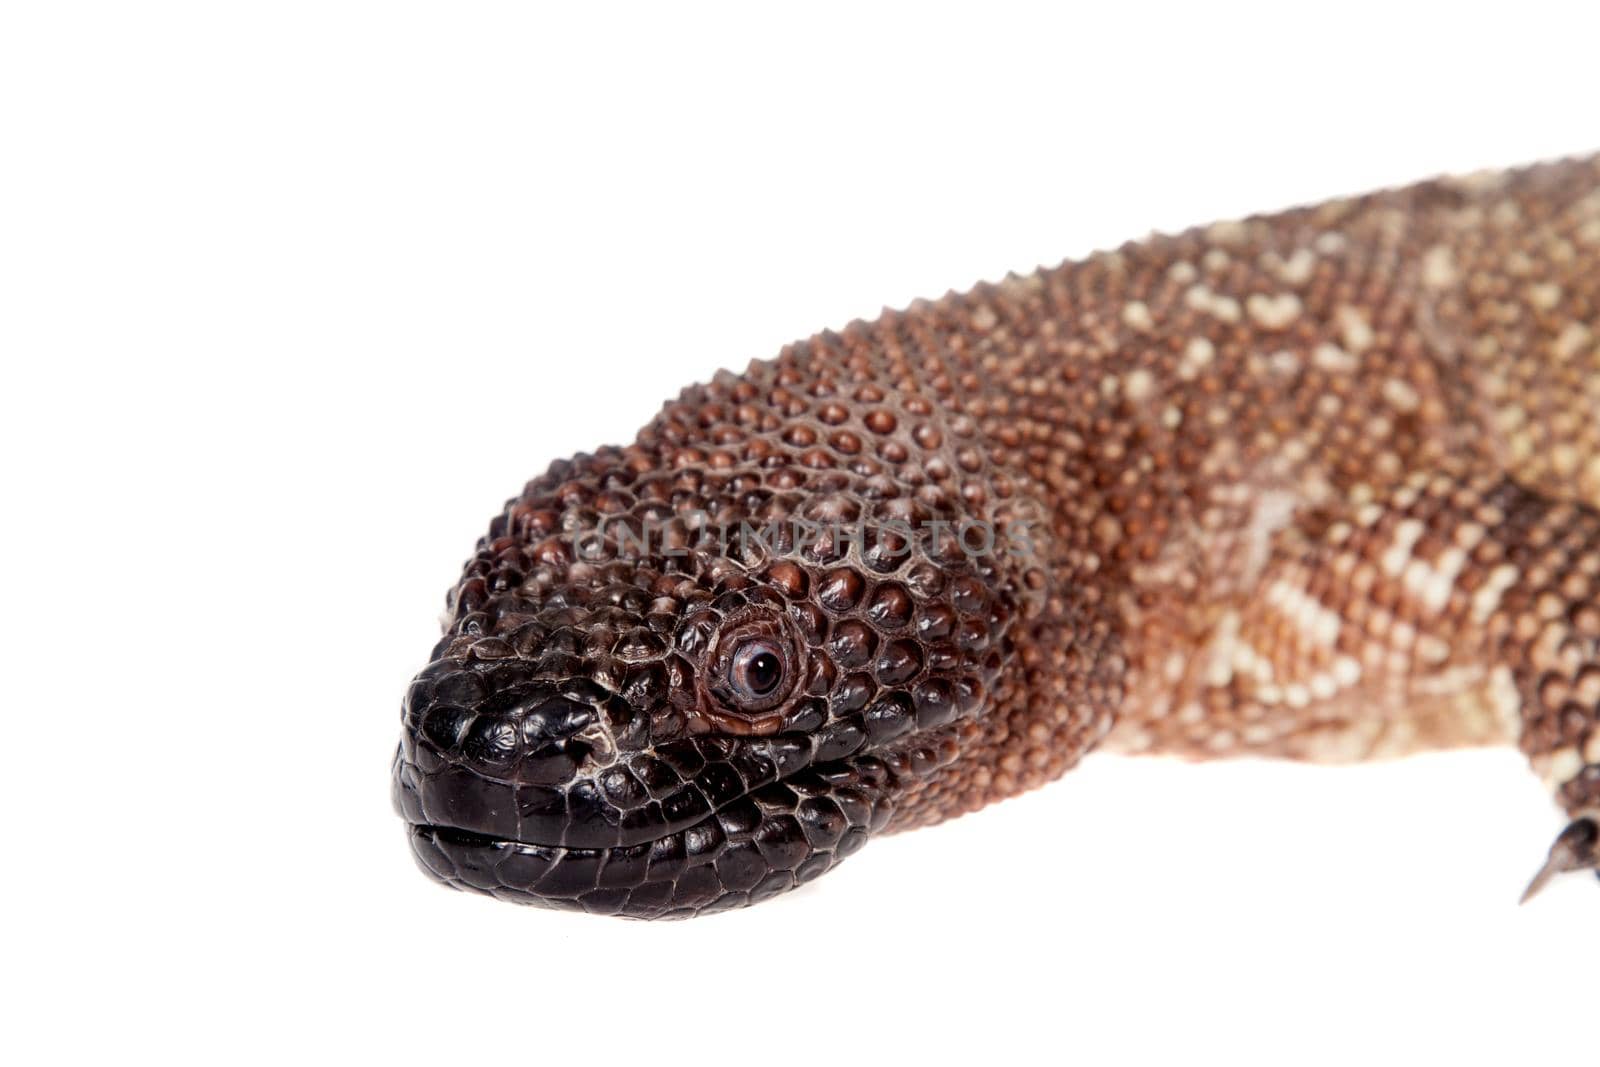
column 701, row 670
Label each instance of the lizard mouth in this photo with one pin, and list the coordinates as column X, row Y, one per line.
column 769, row 840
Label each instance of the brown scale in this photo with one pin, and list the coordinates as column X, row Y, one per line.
column 1320, row 485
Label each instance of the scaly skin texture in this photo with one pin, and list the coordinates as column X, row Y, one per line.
column 1320, row 485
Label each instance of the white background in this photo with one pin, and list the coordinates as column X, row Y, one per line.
column 292, row 296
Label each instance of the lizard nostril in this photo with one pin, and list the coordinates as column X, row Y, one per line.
column 593, row 744
column 555, row 720
column 560, row 736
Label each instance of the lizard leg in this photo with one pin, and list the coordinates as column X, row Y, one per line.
column 1454, row 609
column 1549, row 622
column 1577, row 848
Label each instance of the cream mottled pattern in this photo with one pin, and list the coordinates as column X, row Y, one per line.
column 1394, row 545
column 1341, row 466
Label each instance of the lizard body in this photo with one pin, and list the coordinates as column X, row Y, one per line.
column 1319, row 485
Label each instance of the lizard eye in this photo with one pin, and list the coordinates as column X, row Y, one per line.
column 752, row 671
column 756, row 670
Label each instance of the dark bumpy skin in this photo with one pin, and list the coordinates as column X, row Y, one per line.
column 1319, row 485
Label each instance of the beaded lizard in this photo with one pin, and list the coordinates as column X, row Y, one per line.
column 1322, row 485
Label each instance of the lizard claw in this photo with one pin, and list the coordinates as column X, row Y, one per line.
column 1577, row 848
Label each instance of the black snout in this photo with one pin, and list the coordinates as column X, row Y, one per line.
column 488, row 760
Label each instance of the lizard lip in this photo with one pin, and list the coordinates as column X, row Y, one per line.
column 680, row 874
column 548, row 875
column 756, row 845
